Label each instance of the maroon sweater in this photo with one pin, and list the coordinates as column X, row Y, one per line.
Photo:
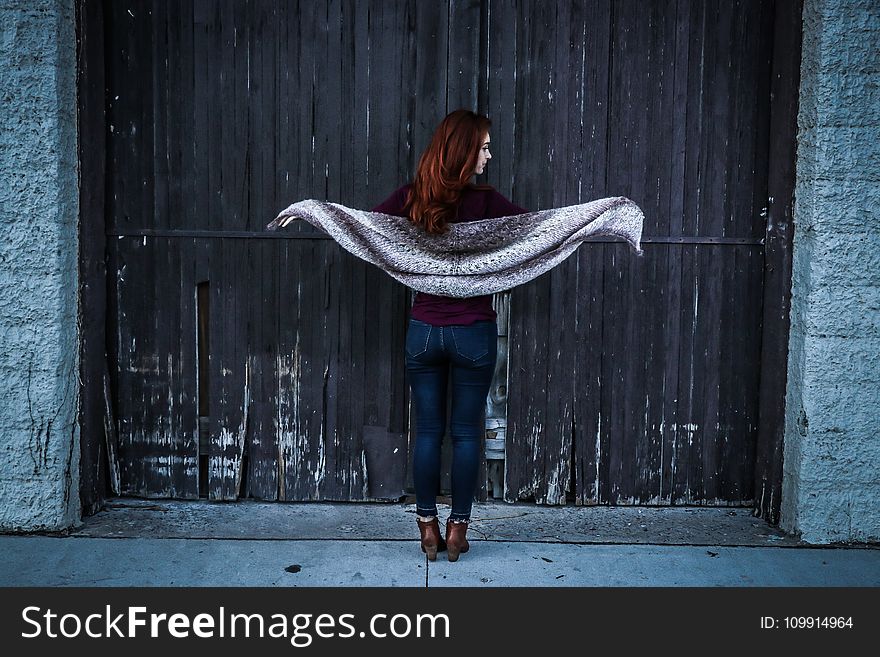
column 444, row 311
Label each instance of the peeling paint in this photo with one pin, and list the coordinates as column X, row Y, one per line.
column 288, row 368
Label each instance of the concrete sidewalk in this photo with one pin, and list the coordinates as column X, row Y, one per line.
column 171, row 543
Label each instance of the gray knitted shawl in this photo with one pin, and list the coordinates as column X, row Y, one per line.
column 473, row 257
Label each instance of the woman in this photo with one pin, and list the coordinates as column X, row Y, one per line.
column 446, row 336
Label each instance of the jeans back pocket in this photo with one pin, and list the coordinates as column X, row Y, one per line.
column 417, row 336
column 472, row 342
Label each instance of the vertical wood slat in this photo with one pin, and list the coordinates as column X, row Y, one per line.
column 159, row 467
column 173, row 115
column 337, row 448
column 658, row 155
column 247, row 91
column 715, row 97
column 231, row 369
column 238, row 255
column 352, row 151
column 562, row 89
column 462, row 67
column 684, row 438
column 95, row 442
column 364, row 36
column 261, row 467
column 629, row 75
column 533, row 435
column 498, row 41
column 303, row 480
column 184, row 72
column 588, row 452
column 174, row 345
column 390, row 63
column 673, row 263
column 158, row 435
column 287, row 370
column 739, row 361
column 501, row 35
column 777, row 256
column 156, row 117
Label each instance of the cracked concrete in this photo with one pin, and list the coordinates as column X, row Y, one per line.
column 148, row 562
column 495, row 521
column 135, row 542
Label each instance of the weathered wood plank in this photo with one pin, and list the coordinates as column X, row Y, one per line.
column 229, row 378
column 157, row 438
column 307, row 470
column 714, row 210
column 97, row 435
column 631, row 78
column 288, row 367
column 185, row 112
column 525, row 466
column 262, row 307
column 502, row 17
column 462, row 67
column 230, row 108
column 427, row 46
column 204, row 203
column 257, row 282
column 672, row 263
column 158, row 167
column 561, row 92
column 785, row 76
column 172, row 60
column 593, row 119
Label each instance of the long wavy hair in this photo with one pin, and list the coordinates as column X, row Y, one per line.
column 445, row 169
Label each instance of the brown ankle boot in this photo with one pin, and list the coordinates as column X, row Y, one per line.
column 432, row 542
column 456, row 540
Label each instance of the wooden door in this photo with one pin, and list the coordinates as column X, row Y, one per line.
column 245, row 363
column 636, row 381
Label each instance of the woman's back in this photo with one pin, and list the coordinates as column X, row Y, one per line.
column 475, row 204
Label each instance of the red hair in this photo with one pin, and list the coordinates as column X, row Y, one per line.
column 445, row 169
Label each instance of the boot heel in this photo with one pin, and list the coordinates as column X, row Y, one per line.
column 431, row 539
column 456, row 539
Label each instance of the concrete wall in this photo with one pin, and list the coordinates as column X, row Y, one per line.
column 831, row 483
column 39, row 439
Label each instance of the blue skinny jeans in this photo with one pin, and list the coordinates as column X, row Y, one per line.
column 467, row 354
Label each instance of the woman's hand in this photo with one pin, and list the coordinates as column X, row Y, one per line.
column 280, row 222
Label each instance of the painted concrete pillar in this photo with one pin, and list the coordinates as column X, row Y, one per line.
column 39, row 436
column 831, row 461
